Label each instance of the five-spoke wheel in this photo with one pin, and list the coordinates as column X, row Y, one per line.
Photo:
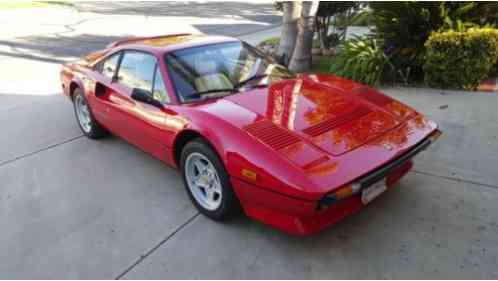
column 82, row 113
column 203, row 181
column 89, row 126
column 207, row 181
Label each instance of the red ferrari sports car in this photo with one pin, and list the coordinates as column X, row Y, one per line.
column 298, row 152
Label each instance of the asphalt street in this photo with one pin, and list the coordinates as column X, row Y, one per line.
column 72, row 208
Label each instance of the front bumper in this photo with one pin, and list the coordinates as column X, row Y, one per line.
column 303, row 217
column 385, row 171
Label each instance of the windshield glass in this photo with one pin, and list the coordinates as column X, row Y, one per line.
column 220, row 69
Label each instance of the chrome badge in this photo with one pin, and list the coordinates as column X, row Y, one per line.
column 388, row 146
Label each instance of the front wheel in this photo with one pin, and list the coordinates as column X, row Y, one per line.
column 207, row 181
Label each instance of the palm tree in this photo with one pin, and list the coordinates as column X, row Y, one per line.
column 301, row 57
column 290, row 18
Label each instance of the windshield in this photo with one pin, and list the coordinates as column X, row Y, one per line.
column 220, row 69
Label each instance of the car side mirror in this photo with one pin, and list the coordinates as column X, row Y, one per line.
column 115, row 79
column 145, row 96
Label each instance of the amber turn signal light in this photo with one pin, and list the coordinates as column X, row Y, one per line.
column 249, row 174
column 342, row 193
column 435, row 135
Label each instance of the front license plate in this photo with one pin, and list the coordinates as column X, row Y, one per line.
column 370, row 193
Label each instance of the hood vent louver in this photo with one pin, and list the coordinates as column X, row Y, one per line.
column 272, row 135
column 374, row 97
column 332, row 123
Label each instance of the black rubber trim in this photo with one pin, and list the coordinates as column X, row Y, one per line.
column 383, row 171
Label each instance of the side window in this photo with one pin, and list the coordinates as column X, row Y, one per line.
column 159, row 91
column 109, row 65
column 137, row 70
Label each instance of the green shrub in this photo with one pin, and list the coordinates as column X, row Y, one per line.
column 406, row 25
column 460, row 59
column 334, row 15
column 364, row 18
column 273, row 41
column 361, row 59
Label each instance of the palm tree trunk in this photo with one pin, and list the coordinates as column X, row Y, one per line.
column 323, row 32
column 292, row 11
column 301, row 57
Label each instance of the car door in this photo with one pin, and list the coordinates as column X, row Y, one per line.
column 105, row 91
column 146, row 125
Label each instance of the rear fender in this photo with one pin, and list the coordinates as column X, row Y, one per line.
column 79, row 84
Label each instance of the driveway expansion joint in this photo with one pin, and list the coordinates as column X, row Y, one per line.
column 5, row 162
column 153, row 249
column 455, row 179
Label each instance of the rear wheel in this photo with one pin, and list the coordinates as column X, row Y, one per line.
column 207, row 181
column 88, row 125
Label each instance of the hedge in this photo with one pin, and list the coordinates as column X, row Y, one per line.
column 460, row 59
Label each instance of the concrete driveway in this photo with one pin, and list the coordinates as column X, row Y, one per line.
column 71, row 207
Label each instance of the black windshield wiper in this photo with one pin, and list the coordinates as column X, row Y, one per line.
column 231, row 90
column 243, row 82
column 206, row 94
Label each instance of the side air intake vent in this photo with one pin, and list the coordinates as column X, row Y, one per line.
column 332, row 123
column 271, row 134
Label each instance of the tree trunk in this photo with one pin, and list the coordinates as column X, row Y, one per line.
column 292, row 11
column 301, row 57
column 323, row 31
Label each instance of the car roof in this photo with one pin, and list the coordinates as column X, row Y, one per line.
column 171, row 42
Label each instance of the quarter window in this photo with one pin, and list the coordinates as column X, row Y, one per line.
column 110, row 65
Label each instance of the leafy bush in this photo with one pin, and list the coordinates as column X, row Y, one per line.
column 270, row 45
column 361, row 59
column 460, row 59
column 272, row 41
column 337, row 15
column 364, row 18
column 405, row 26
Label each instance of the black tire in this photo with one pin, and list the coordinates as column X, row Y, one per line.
column 96, row 130
column 229, row 206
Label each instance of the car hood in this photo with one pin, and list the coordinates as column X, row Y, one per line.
column 333, row 114
column 330, row 129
